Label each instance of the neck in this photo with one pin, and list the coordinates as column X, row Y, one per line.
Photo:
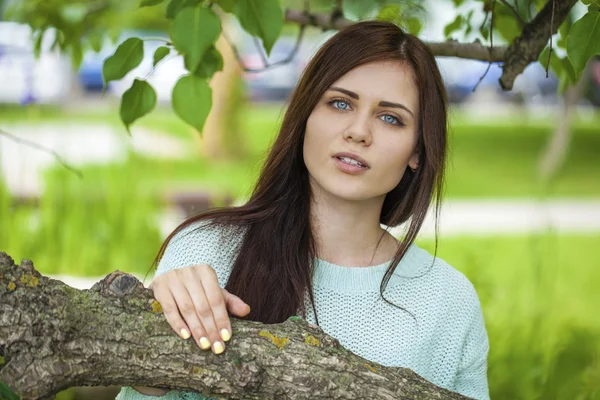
column 348, row 233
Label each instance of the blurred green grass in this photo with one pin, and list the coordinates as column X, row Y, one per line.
column 540, row 298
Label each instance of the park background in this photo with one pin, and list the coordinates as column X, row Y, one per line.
column 528, row 241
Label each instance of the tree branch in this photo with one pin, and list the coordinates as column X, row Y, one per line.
column 526, row 48
column 53, row 337
column 451, row 48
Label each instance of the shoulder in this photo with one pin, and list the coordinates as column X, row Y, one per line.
column 438, row 272
column 202, row 242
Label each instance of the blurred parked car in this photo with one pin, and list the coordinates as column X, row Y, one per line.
column 25, row 79
column 462, row 76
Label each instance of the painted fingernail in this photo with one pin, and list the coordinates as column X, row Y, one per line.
column 225, row 335
column 185, row 334
column 218, row 347
column 204, row 343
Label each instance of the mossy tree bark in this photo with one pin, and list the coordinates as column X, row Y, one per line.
column 53, row 337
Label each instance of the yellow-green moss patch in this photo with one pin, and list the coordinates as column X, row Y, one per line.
column 370, row 367
column 311, row 340
column 156, row 307
column 11, row 286
column 29, row 280
column 277, row 341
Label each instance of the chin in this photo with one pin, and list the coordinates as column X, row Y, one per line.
column 351, row 193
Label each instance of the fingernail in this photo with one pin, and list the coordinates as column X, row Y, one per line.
column 204, row 343
column 218, row 347
column 185, row 334
column 225, row 335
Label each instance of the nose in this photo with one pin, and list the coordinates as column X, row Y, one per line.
column 359, row 130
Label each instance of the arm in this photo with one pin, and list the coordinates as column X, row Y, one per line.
column 471, row 379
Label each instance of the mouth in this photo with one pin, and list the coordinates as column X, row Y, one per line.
column 352, row 159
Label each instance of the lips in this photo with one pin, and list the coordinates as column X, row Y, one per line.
column 354, row 157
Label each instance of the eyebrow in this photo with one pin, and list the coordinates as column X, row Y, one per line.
column 381, row 103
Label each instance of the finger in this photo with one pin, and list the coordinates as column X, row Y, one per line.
column 217, row 319
column 235, row 305
column 171, row 312
column 194, row 278
column 187, row 308
column 214, row 295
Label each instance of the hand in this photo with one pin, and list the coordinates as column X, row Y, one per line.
column 194, row 303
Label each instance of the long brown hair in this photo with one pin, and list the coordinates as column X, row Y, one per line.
column 273, row 269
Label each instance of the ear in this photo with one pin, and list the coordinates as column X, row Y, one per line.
column 413, row 162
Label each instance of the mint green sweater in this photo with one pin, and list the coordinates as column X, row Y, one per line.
column 448, row 347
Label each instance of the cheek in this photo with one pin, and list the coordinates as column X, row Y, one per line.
column 314, row 137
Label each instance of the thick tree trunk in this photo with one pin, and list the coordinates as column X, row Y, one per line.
column 53, row 337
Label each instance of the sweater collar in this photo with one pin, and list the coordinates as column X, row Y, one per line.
column 415, row 262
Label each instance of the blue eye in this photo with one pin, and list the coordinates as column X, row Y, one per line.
column 390, row 119
column 340, row 104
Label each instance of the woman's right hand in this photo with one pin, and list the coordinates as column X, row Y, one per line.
column 193, row 302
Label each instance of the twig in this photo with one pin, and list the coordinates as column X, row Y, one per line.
column 260, row 50
column 157, row 39
column 44, row 149
column 267, row 65
column 551, row 34
column 159, row 64
column 514, row 11
column 491, row 46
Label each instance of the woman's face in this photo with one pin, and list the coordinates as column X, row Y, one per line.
column 371, row 114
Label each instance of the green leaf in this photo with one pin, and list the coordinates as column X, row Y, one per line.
column 360, row 9
column 193, row 31
column 390, row 13
column 211, row 63
column 150, row 3
column 453, row 26
column 226, row 5
column 173, row 8
column 37, row 47
column 583, row 41
column 506, row 23
column 485, row 32
column 160, row 53
column 192, row 100
column 413, row 25
column 136, row 102
column 76, row 54
column 73, row 13
column 458, row 3
column 96, row 39
column 261, row 18
column 128, row 55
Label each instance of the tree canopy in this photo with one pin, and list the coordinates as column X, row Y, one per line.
column 544, row 31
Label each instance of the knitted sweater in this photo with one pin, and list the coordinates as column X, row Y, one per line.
column 449, row 345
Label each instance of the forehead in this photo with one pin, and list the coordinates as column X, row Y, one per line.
column 382, row 80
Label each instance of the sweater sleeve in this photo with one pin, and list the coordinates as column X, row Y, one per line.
column 471, row 379
column 195, row 244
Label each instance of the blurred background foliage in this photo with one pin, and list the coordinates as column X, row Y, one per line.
column 538, row 288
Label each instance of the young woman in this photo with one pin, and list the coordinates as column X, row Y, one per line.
column 362, row 145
